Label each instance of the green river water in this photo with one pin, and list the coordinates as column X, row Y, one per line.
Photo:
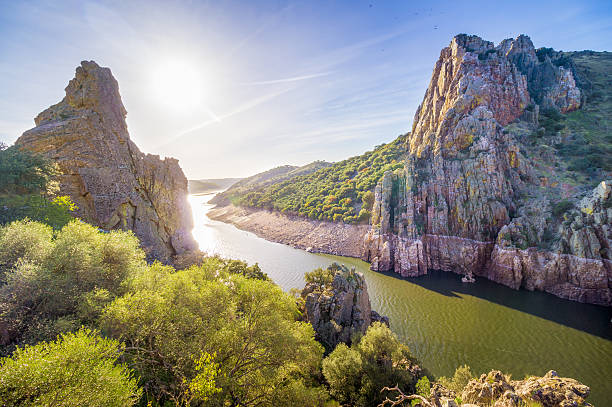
column 447, row 323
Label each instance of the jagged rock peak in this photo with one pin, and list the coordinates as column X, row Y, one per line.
column 114, row 185
column 474, row 81
column 337, row 305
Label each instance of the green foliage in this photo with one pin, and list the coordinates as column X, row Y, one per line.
column 356, row 374
column 336, row 193
column 242, row 268
column 56, row 282
column 23, row 172
column 559, row 208
column 77, row 369
column 169, row 318
column 423, row 386
column 202, row 386
column 463, row 374
column 25, row 240
column 55, row 212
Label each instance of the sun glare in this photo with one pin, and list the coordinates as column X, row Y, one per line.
column 178, row 85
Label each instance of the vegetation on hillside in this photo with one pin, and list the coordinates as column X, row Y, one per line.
column 340, row 192
column 27, row 189
column 77, row 369
column 216, row 333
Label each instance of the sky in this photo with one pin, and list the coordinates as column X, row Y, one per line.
column 232, row 88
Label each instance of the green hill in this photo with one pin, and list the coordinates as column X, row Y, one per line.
column 338, row 192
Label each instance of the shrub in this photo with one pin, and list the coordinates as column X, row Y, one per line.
column 356, row 374
column 168, row 319
column 56, row 212
column 61, row 282
column 461, row 377
column 23, row 172
column 75, row 370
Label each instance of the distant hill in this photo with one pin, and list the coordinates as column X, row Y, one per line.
column 267, row 178
column 325, row 192
column 205, row 186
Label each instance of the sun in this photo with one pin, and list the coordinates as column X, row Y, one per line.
column 178, row 85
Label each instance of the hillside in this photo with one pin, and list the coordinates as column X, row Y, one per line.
column 336, row 192
column 206, row 186
column 261, row 181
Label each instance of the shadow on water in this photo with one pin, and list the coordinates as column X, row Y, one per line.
column 592, row 319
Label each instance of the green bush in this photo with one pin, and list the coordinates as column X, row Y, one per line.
column 357, row 374
column 77, row 369
column 169, row 318
column 55, row 283
column 461, row 377
column 56, row 212
column 23, row 172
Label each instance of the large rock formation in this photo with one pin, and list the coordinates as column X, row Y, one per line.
column 496, row 389
column 470, row 198
column 337, row 304
column 114, row 185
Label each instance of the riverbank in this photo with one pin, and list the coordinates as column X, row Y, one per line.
column 314, row 236
column 569, row 277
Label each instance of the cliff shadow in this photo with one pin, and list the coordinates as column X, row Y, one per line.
column 589, row 318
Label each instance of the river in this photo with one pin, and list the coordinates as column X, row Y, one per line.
column 447, row 323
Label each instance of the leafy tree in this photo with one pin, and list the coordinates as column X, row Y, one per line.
column 343, row 369
column 56, row 283
column 27, row 189
column 423, row 387
column 169, row 318
column 56, row 212
column 383, row 360
column 23, row 172
column 463, row 374
column 77, row 369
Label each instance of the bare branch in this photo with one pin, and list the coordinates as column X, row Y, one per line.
column 401, row 398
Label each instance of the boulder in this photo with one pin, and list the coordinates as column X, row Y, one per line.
column 338, row 307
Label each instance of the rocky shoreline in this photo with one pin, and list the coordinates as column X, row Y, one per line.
column 566, row 276
column 314, row 236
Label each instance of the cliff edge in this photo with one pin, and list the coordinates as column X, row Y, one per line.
column 483, row 191
column 114, row 185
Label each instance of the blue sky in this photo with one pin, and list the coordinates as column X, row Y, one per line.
column 231, row 88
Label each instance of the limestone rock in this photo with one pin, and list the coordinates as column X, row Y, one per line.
column 114, row 185
column 339, row 307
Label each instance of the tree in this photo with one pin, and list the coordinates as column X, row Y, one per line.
column 56, row 283
column 383, row 360
column 23, row 172
column 169, row 318
column 77, row 369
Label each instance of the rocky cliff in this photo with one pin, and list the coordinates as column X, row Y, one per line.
column 337, row 305
column 114, row 185
column 482, row 191
column 497, row 389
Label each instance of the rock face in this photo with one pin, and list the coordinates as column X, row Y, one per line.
column 114, row 185
column 470, row 199
column 337, row 305
column 550, row 391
